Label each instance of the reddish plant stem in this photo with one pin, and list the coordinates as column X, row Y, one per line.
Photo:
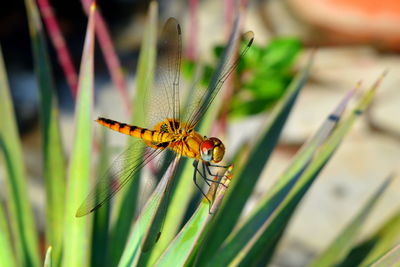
column 110, row 56
column 58, row 41
column 191, row 52
column 232, row 9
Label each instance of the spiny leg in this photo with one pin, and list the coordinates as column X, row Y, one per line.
column 219, row 166
column 205, row 167
column 195, row 165
column 207, row 180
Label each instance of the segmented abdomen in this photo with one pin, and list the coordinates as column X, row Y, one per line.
column 135, row 131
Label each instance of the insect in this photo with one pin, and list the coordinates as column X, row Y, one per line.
column 172, row 129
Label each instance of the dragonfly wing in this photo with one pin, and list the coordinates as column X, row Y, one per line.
column 164, row 98
column 226, row 65
column 122, row 172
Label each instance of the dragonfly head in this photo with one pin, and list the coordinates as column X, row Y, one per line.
column 212, row 149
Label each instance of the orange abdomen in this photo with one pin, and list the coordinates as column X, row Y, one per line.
column 138, row 132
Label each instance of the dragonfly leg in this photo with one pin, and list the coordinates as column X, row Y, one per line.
column 195, row 164
column 206, row 168
column 208, row 165
column 219, row 166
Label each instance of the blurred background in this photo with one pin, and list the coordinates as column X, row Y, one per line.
column 356, row 40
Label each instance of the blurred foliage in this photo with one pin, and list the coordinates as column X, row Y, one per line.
column 261, row 78
column 194, row 234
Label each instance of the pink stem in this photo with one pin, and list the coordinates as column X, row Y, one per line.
column 110, row 56
column 229, row 9
column 58, row 41
column 192, row 47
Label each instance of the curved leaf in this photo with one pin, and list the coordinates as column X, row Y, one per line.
column 76, row 249
column 54, row 170
column 281, row 189
column 342, row 244
column 181, row 249
column 146, row 229
column 391, row 258
column 47, row 260
column 245, row 181
column 263, row 244
column 125, row 204
column 20, row 212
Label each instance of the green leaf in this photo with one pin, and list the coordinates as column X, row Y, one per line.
column 263, row 245
column 76, row 247
column 391, row 258
column 180, row 248
column 235, row 242
column 185, row 189
column 47, row 260
column 124, row 208
column 101, row 220
column 374, row 247
column 53, row 154
column 385, row 238
column 245, row 181
column 268, row 85
column 180, row 198
column 20, row 212
column 6, row 249
column 146, row 228
column 281, row 53
column 188, row 240
column 183, row 194
column 342, row 244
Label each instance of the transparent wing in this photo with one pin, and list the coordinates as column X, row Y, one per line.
column 164, row 96
column 163, row 104
column 226, row 65
column 122, row 172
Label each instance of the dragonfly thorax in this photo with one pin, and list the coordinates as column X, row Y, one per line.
column 212, row 150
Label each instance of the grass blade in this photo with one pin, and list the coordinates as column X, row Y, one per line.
column 391, row 258
column 47, row 260
column 180, row 198
column 244, row 184
column 180, row 251
column 53, row 154
column 374, row 247
column 124, row 203
column 279, row 191
column 101, row 218
column 386, row 237
column 264, row 242
column 6, row 249
column 144, row 223
column 20, row 211
column 75, row 250
column 339, row 248
column 185, row 189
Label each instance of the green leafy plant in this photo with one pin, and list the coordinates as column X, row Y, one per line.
column 115, row 238
column 263, row 75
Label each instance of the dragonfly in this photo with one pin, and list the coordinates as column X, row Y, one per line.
column 173, row 126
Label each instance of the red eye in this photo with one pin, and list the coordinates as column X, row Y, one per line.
column 206, row 146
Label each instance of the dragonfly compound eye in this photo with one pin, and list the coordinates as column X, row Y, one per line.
column 212, row 149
